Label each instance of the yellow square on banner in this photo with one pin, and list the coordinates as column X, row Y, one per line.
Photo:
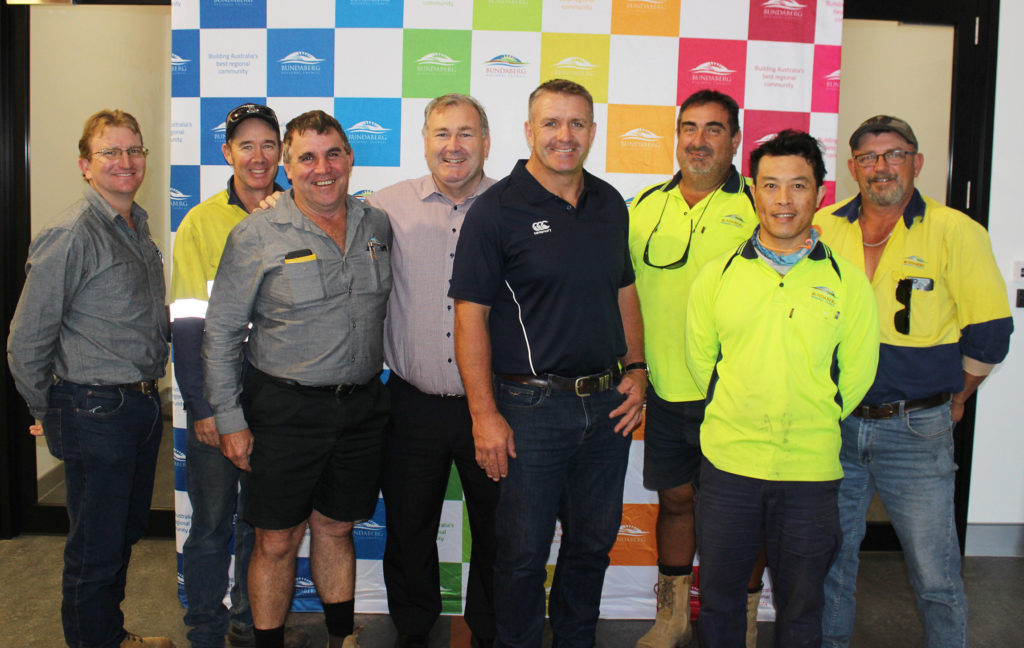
column 582, row 58
column 645, row 17
column 640, row 139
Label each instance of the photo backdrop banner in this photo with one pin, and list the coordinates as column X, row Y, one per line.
column 374, row 64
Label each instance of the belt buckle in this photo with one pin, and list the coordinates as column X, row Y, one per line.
column 597, row 383
column 147, row 388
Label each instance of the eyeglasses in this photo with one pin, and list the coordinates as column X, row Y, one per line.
column 686, row 252
column 901, row 320
column 894, row 157
column 249, row 110
column 114, row 153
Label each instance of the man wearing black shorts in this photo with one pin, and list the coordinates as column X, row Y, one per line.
column 312, row 276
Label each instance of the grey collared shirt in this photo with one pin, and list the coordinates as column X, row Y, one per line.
column 418, row 332
column 92, row 310
column 316, row 313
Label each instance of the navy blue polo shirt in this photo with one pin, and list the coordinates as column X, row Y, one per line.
column 550, row 272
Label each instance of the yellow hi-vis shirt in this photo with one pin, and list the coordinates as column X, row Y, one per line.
column 782, row 360
column 958, row 303
column 719, row 222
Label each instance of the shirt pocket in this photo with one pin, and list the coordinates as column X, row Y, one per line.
column 816, row 322
column 297, row 284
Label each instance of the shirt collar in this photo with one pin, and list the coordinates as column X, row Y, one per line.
column 734, row 182
column 100, row 204
column 535, row 193
column 915, row 208
column 426, row 187
column 817, row 253
column 233, row 198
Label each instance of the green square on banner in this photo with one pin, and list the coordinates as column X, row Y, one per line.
column 507, row 15
column 435, row 62
column 454, row 490
column 467, row 535
column 451, row 588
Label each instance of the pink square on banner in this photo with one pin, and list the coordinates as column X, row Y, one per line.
column 716, row 64
column 825, row 88
column 782, row 20
column 830, row 193
column 761, row 125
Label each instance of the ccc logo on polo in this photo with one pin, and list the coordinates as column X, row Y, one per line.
column 541, row 227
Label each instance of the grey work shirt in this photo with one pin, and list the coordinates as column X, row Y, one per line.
column 92, row 310
column 418, row 341
column 317, row 314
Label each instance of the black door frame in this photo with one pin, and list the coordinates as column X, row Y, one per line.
column 976, row 27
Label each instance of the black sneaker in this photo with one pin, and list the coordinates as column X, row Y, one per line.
column 245, row 638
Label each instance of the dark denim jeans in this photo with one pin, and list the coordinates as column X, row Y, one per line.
column 799, row 525
column 206, row 556
column 908, row 461
column 108, row 438
column 571, row 466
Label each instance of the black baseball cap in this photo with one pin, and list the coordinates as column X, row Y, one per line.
column 884, row 124
column 245, row 111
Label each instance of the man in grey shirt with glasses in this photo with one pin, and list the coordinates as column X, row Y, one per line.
column 87, row 344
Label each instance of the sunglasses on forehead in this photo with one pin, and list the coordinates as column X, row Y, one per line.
column 248, row 110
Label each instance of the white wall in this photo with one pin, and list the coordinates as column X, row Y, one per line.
column 997, row 479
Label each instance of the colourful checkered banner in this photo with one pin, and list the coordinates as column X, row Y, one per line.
column 375, row 64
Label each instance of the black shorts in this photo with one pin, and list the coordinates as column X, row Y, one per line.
column 312, row 449
column 671, row 442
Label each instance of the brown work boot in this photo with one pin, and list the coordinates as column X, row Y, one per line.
column 135, row 641
column 753, row 598
column 672, row 624
column 351, row 641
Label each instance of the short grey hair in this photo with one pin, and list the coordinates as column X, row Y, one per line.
column 456, row 99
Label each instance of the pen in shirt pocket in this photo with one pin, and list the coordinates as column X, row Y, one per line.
column 373, row 245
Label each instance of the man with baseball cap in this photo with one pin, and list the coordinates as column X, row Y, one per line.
column 253, row 149
column 945, row 322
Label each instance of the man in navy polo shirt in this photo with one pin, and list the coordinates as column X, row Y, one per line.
column 549, row 342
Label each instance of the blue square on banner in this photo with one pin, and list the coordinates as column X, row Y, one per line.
column 180, row 443
column 185, row 63
column 370, row 536
column 212, row 113
column 236, row 14
column 300, row 62
column 368, row 13
column 184, row 193
column 282, row 179
column 373, row 127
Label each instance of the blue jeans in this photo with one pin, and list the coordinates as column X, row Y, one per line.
column 570, row 466
column 206, row 557
column 908, row 460
column 108, row 438
column 799, row 525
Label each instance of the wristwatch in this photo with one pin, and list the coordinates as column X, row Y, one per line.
column 636, row 365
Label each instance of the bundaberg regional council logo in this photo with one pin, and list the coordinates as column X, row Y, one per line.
column 300, row 62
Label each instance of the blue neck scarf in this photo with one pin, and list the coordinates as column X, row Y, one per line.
column 791, row 258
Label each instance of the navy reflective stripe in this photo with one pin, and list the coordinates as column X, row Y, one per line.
column 661, row 187
column 713, row 381
column 834, row 372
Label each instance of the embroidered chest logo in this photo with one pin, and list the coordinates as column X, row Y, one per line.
column 541, row 227
column 732, row 219
column 823, row 294
column 914, row 262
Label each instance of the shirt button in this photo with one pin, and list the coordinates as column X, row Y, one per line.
column 449, row 307
column 451, row 255
column 448, row 334
column 454, row 230
column 449, row 360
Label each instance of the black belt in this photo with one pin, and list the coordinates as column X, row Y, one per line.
column 581, row 385
column 344, row 389
column 889, row 410
column 146, row 387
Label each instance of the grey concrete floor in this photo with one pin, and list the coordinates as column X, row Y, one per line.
column 30, row 569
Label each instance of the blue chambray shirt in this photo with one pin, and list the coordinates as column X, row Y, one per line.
column 317, row 314
column 92, row 310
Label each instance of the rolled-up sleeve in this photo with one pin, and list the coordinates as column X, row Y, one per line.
column 235, row 288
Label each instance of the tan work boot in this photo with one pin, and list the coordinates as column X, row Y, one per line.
column 351, row 641
column 753, row 598
column 135, row 641
column 672, row 623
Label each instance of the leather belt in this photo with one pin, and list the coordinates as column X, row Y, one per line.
column 145, row 387
column 343, row 389
column 889, row 410
column 580, row 385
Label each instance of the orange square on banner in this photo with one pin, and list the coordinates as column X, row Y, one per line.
column 636, row 543
column 645, row 17
column 640, row 139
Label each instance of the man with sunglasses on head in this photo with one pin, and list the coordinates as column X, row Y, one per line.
column 945, row 322
column 253, row 149
column 675, row 227
column 88, row 342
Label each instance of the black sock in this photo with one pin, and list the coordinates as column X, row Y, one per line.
column 673, row 570
column 339, row 617
column 273, row 638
